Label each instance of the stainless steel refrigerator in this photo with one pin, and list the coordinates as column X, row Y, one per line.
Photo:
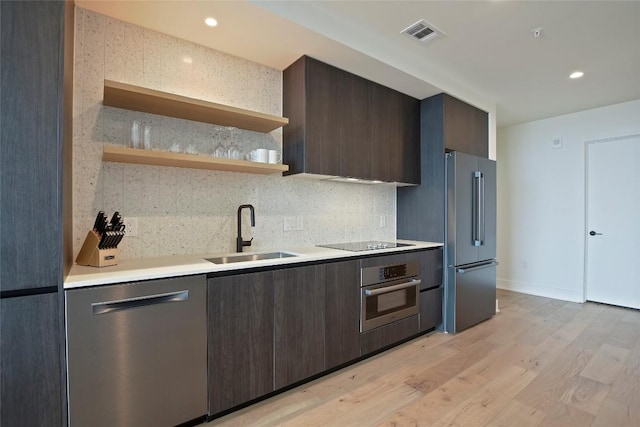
column 470, row 236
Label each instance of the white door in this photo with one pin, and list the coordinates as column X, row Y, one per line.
column 613, row 221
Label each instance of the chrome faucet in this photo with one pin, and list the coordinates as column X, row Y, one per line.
column 239, row 242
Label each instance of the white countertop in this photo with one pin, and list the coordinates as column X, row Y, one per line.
column 130, row 270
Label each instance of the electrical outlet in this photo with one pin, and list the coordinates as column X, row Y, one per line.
column 299, row 223
column 289, row 223
column 383, row 221
column 524, row 265
column 131, row 226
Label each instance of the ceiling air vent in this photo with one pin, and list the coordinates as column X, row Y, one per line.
column 423, row 31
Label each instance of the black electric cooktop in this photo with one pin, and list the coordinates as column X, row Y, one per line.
column 364, row 246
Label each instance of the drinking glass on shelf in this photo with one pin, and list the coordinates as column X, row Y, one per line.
column 147, row 137
column 219, row 150
column 135, row 134
column 233, row 151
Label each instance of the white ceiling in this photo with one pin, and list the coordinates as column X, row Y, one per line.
column 489, row 56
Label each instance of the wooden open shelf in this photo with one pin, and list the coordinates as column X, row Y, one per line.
column 130, row 97
column 120, row 154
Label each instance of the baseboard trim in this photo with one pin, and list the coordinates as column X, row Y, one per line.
column 540, row 290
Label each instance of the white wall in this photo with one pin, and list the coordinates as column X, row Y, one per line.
column 187, row 211
column 541, row 198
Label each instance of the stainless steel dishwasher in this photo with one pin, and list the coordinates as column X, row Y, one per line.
column 137, row 353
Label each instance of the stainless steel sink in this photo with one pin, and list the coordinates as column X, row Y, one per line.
column 249, row 257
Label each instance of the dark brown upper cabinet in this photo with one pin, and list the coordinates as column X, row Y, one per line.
column 343, row 125
column 395, row 135
column 466, row 128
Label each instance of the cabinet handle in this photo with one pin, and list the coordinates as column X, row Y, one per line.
column 387, row 289
column 125, row 304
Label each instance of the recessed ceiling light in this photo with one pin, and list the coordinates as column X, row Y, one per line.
column 211, row 22
column 576, row 75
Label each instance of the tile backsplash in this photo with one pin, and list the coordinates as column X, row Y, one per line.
column 188, row 211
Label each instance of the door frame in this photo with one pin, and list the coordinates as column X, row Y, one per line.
column 587, row 144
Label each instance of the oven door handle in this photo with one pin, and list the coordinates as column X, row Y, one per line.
column 387, row 289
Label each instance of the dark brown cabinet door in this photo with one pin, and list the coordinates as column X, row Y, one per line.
column 342, row 313
column 30, row 361
column 323, row 118
column 466, row 128
column 240, row 339
column 395, row 136
column 431, row 268
column 299, row 323
column 355, row 136
column 31, row 143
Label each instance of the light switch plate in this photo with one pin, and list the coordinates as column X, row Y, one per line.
column 289, row 223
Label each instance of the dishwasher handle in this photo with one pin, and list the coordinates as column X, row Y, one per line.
column 387, row 289
column 125, row 304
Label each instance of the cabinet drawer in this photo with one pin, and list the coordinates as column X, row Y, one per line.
column 431, row 268
column 389, row 334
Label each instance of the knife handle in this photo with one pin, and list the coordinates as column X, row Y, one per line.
column 118, row 238
column 103, row 239
column 98, row 220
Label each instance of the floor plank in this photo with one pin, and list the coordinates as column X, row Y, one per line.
column 560, row 415
column 585, row 394
column 606, row 364
column 517, row 414
column 615, row 414
column 539, row 362
column 490, row 400
column 626, row 389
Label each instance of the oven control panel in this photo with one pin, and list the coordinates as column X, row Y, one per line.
column 392, row 271
column 386, row 273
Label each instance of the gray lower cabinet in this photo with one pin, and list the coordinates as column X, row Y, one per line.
column 30, row 361
column 430, row 309
column 431, row 295
column 299, row 308
column 342, row 313
column 240, row 339
column 387, row 335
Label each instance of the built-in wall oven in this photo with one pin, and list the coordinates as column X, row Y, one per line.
column 389, row 293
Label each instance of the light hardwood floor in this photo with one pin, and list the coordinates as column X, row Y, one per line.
column 539, row 362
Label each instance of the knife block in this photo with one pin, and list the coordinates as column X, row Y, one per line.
column 91, row 255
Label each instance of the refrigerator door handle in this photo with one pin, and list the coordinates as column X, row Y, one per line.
column 478, row 208
column 463, row 270
column 482, row 211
